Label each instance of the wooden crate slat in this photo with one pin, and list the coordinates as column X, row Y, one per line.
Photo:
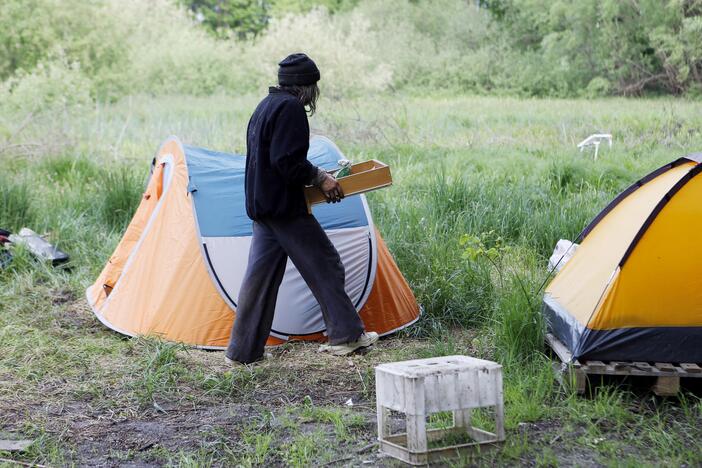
column 619, row 365
column 644, row 366
column 691, row 368
column 667, row 374
column 594, row 366
column 665, row 367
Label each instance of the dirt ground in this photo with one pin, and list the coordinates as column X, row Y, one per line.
column 208, row 407
column 104, row 400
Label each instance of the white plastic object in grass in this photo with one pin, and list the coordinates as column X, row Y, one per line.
column 562, row 253
column 422, row 387
column 594, row 140
column 39, row 247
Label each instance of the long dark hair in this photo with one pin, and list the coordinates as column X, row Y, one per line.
column 306, row 94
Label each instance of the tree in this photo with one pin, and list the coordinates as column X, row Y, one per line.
column 243, row 18
column 607, row 45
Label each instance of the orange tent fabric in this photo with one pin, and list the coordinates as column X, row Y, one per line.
column 160, row 280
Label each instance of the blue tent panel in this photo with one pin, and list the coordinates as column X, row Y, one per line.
column 217, row 187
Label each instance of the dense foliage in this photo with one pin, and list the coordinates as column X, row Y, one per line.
column 64, row 51
column 247, row 18
column 226, row 17
column 604, row 46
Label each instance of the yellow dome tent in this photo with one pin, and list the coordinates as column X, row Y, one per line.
column 633, row 289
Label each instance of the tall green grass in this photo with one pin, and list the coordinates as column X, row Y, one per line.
column 477, row 166
column 120, row 190
column 15, row 202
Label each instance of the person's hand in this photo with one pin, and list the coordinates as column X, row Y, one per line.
column 331, row 189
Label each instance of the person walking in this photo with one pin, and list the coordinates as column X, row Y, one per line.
column 277, row 170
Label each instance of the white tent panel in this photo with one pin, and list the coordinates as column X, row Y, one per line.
column 297, row 311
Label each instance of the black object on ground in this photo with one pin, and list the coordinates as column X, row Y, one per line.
column 39, row 247
column 5, row 258
column 5, row 255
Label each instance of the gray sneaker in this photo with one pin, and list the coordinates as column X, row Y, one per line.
column 364, row 341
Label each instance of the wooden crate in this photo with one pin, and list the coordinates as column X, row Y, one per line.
column 364, row 177
column 667, row 375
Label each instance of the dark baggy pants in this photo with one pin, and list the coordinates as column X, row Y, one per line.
column 315, row 257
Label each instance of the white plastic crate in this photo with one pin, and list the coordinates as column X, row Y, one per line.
column 421, row 387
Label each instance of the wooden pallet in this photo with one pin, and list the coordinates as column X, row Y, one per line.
column 667, row 375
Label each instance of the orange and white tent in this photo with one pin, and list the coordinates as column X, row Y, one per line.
column 177, row 271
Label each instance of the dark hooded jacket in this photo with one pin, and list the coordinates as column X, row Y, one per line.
column 277, row 169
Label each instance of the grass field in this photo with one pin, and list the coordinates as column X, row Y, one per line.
column 484, row 187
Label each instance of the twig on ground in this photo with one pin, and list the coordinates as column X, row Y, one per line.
column 367, row 447
column 363, row 382
column 159, row 408
column 347, row 457
column 356, row 452
column 15, row 462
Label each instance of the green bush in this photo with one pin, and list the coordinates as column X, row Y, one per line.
column 117, row 46
column 344, row 47
column 598, row 86
column 110, row 48
column 594, row 46
column 51, row 85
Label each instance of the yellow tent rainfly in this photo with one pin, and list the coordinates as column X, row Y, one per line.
column 633, row 289
column 177, row 271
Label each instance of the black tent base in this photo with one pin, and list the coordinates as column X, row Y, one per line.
column 575, row 374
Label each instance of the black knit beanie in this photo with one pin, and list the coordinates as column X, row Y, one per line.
column 297, row 69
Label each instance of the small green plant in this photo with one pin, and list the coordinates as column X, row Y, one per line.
column 232, row 382
column 260, row 447
column 442, row 420
column 304, row 449
column 547, row 458
column 487, row 246
column 344, row 421
column 191, row 459
column 160, row 369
